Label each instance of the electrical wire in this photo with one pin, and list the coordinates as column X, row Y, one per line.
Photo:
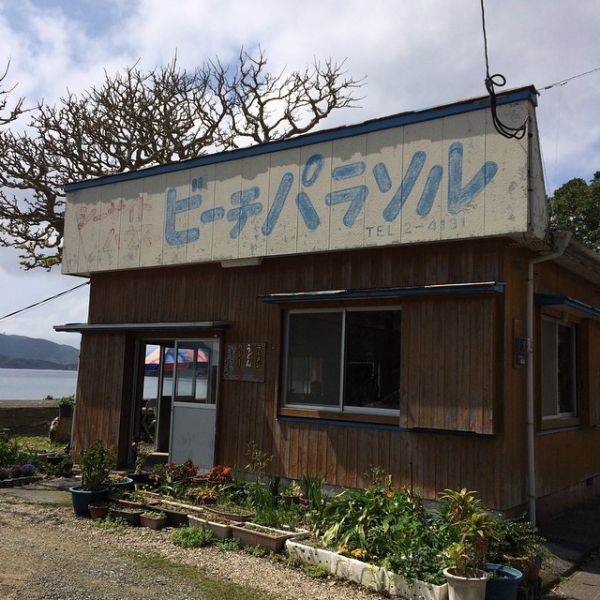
column 565, row 81
column 22, row 310
column 493, row 81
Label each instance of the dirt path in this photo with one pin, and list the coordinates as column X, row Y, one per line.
column 47, row 553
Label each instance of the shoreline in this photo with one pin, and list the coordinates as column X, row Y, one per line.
column 27, row 404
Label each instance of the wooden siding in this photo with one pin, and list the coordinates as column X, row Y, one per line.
column 449, row 364
column 463, row 415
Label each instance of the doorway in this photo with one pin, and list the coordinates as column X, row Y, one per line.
column 179, row 402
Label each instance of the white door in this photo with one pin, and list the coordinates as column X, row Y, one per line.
column 194, row 406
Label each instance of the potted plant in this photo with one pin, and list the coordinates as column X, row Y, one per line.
column 517, row 543
column 290, row 494
column 471, row 527
column 99, row 510
column 141, row 452
column 153, row 519
column 65, row 405
column 95, row 464
column 129, row 515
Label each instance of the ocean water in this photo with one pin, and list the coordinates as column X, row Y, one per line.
column 36, row 384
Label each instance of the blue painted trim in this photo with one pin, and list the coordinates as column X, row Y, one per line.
column 560, row 430
column 359, row 424
column 382, row 426
column 553, row 300
column 496, row 287
column 528, row 93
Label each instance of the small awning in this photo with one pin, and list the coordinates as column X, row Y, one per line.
column 107, row 327
column 495, row 287
column 569, row 304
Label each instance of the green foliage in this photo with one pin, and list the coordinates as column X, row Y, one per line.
column 318, row 571
column 14, row 453
column 517, row 538
column 154, row 514
column 65, row 401
column 465, row 523
column 192, row 537
column 575, row 207
column 256, row 551
column 172, row 479
column 110, row 523
column 261, row 493
column 229, row 544
column 313, row 499
column 95, row 464
column 385, row 526
column 279, row 515
column 64, row 468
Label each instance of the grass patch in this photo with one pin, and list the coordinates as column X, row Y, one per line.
column 206, row 587
column 38, row 443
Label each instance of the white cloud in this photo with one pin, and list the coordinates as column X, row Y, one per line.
column 414, row 55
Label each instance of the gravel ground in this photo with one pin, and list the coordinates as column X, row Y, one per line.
column 47, row 553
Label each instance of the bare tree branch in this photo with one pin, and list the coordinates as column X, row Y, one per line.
column 140, row 119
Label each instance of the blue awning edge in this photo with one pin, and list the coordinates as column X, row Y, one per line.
column 569, row 303
column 480, row 287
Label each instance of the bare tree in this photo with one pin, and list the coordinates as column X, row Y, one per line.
column 141, row 119
column 17, row 109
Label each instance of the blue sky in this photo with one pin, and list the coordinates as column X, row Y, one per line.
column 414, row 55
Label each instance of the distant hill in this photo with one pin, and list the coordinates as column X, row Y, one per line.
column 20, row 352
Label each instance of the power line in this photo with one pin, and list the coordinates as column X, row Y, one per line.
column 22, row 310
column 565, row 81
column 493, row 81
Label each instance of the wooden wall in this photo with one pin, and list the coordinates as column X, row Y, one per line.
column 462, row 421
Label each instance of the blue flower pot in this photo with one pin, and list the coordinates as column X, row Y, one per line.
column 125, row 484
column 503, row 583
column 82, row 498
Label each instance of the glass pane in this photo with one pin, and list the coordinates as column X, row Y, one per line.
column 194, row 379
column 566, row 369
column 549, row 392
column 372, row 374
column 314, row 358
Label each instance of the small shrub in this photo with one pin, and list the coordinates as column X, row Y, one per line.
column 318, row 571
column 256, row 551
column 192, row 537
column 110, row 523
column 229, row 544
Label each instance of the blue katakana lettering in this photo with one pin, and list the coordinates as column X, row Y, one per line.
column 460, row 197
column 247, row 208
column 356, row 195
column 174, row 207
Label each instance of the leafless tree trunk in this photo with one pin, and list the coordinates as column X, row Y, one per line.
column 140, row 119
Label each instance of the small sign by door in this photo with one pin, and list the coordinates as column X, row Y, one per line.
column 244, row 361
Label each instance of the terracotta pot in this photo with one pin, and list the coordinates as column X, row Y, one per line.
column 98, row 511
column 153, row 522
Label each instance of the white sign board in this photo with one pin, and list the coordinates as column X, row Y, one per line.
column 445, row 178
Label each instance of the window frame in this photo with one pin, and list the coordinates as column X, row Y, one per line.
column 340, row 410
column 569, row 418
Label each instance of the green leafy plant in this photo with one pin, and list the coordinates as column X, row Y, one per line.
column 192, row 537
column 261, row 493
column 154, row 514
column 229, row 544
column 65, row 401
column 95, row 464
column 313, row 500
column 141, row 451
column 469, row 526
column 517, row 539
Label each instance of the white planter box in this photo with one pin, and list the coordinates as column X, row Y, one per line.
column 370, row 576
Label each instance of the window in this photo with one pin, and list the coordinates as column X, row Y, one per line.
column 559, row 373
column 343, row 360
